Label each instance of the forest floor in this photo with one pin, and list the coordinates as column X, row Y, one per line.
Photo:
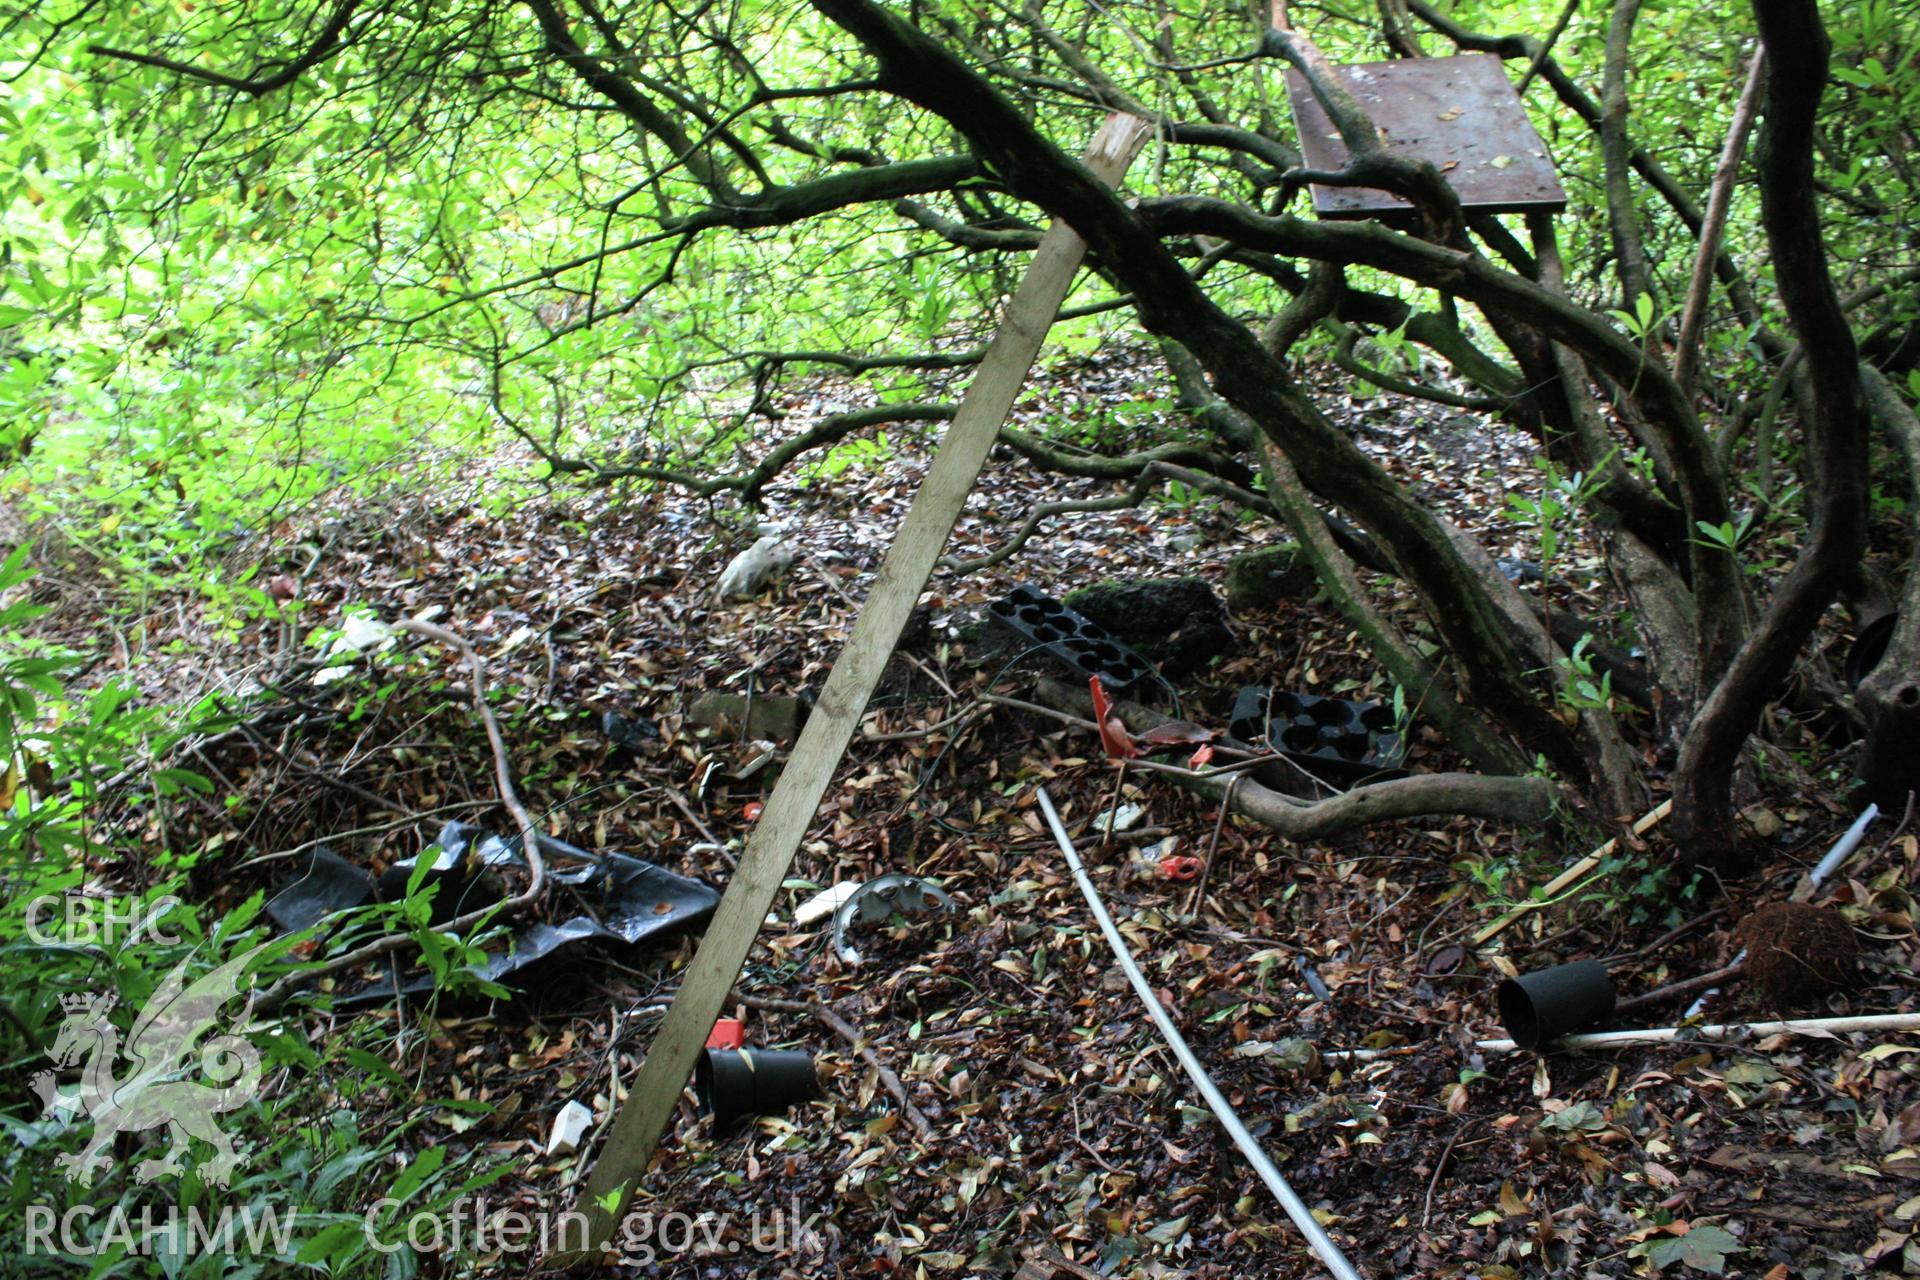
column 1061, row 1129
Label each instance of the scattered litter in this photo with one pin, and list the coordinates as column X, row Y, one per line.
column 1315, row 983
column 324, row 884
column 1517, row 571
column 630, row 733
column 569, row 1129
column 1291, row 1054
column 360, row 633
column 735, row 1083
column 1085, row 647
column 1843, row 848
column 1181, row 867
column 759, row 756
column 753, row 568
column 727, row 1033
column 1332, row 737
column 1823, row 1027
column 879, row 900
column 823, row 904
column 626, row 901
column 1123, row 818
column 1540, row 1007
column 1160, row 849
column 1868, row 647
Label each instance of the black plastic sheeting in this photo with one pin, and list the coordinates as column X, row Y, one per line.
column 625, row 900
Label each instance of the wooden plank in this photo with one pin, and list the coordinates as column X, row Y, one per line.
column 655, row 1090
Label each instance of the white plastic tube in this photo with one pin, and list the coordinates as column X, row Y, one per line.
column 1845, row 847
column 1296, row 1208
column 1723, row 1031
column 1657, row 1035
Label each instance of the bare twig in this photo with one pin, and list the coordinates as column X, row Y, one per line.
column 922, row 1127
column 1213, row 847
column 1073, row 1105
column 377, row 828
column 279, row 992
column 906, row 735
column 380, row 803
column 1446, row 1153
column 1674, row 990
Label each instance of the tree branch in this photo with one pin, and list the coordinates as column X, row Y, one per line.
column 1836, row 445
column 259, row 84
column 1522, row 801
column 1686, row 356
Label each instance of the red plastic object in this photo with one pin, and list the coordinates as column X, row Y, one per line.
column 1113, row 734
column 727, row 1033
column 1180, row 867
column 752, row 810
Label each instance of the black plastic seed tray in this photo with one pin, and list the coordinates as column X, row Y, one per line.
column 1085, row 646
column 1332, row 737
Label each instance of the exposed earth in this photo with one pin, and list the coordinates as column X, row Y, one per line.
column 1063, row 1133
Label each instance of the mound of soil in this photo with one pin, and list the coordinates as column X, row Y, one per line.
column 1797, row 952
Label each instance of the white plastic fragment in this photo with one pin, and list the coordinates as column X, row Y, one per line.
column 823, row 904
column 749, row 571
column 361, row 632
column 880, row 899
column 1826, row 1027
column 569, row 1128
column 1124, row 818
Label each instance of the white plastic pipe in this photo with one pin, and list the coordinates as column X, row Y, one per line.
column 1846, row 845
column 1723, row 1031
column 1296, row 1208
column 1656, row 1035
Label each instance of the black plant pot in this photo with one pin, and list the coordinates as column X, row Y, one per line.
column 1539, row 1008
column 732, row 1083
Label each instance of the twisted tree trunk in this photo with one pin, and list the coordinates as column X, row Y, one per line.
column 1836, row 436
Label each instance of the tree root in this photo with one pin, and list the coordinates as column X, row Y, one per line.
column 1522, row 801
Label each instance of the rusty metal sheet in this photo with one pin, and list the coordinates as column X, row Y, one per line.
column 1461, row 113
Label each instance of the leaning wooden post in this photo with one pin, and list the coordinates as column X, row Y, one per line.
column 655, row 1090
